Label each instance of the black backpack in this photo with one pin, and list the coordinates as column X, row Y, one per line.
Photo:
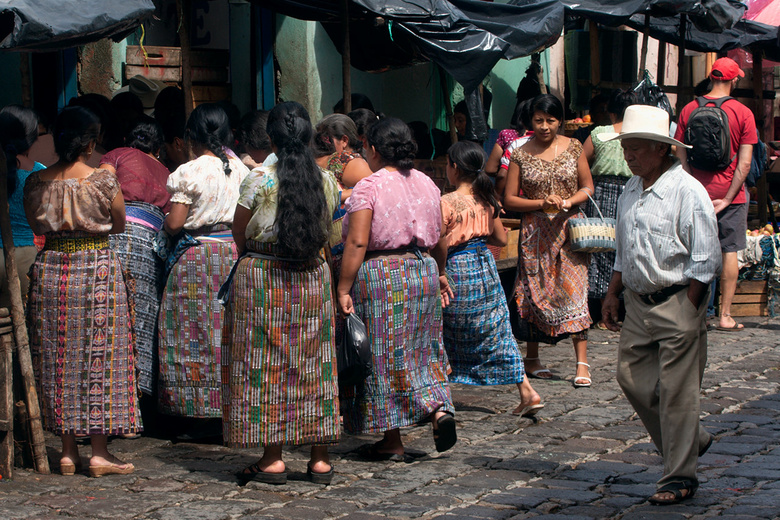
column 708, row 133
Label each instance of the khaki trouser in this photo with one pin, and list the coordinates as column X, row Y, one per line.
column 25, row 257
column 661, row 359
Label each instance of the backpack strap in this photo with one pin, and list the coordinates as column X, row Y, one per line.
column 701, row 100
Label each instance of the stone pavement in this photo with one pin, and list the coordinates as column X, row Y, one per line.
column 587, row 457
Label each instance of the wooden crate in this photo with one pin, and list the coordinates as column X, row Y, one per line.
column 209, row 69
column 750, row 299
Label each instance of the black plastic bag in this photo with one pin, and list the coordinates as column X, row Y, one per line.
column 651, row 94
column 354, row 359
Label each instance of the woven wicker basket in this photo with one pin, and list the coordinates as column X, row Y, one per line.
column 592, row 235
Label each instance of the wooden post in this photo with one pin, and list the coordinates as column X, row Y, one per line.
column 346, row 78
column 762, row 191
column 6, row 398
column 448, row 105
column 661, row 73
column 24, row 72
column 41, row 460
column 595, row 65
column 681, row 59
column 643, row 55
column 185, row 19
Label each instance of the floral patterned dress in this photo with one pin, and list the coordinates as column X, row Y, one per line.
column 552, row 281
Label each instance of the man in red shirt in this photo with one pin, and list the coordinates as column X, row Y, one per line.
column 726, row 188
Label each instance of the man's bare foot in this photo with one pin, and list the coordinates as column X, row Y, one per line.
column 726, row 322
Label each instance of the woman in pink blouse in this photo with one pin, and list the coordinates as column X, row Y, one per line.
column 390, row 280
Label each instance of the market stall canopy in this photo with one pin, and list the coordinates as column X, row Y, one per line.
column 706, row 15
column 745, row 34
column 465, row 37
column 711, row 25
column 46, row 25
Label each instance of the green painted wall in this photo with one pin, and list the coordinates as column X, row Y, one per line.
column 310, row 69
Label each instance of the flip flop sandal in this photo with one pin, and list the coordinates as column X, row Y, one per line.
column 319, row 478
column 529, row 411
column 736, row 328
column 536, row 373
column 255, row 474
column 676, row 488
column 444, row 434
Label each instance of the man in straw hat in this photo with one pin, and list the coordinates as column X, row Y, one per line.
column 667, row 255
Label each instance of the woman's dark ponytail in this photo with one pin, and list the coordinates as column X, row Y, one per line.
column 209, row 126
column 302, row 219
column 469, row 159
column 18, row 132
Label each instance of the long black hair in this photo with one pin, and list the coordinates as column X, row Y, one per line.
column 469, row 160
column 392, row 139
column 73, row 130
column 302, row 218
column 18, row 132
column 209, row 126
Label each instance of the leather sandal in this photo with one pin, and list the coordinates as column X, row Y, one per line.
column 444, row 434
column 675, row 488
column 254, row 473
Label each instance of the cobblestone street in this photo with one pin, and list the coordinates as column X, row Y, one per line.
column 588, row 456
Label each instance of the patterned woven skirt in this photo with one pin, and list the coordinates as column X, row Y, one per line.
column 278, row 356
column 607, row 191
column 477, row 333
column 80, row 322
column 190, row 329
column 398, row 300
column 552, row 281
column 134, row 248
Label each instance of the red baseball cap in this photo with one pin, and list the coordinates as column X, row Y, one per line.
column 727, row 69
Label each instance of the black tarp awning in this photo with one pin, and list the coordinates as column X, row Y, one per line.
column 709, row 15
column 713, row 26
column 465, row 37
column 47, row 25
column 745, row 34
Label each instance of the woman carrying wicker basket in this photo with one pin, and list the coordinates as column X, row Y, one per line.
column 551, row 289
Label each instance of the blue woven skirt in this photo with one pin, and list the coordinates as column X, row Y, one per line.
column 477, row 333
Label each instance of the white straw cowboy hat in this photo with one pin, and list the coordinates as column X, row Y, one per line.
column 644, row 122
column 146, row 89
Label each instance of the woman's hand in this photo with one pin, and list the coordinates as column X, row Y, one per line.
column 345, row 304
column 553, row 201
column 446, row 291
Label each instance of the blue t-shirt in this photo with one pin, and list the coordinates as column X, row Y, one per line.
column 23, row 233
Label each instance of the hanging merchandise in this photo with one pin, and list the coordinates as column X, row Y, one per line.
column 651, row 94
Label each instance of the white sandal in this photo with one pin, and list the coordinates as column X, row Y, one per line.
column 587, row 378
column 535, row 373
